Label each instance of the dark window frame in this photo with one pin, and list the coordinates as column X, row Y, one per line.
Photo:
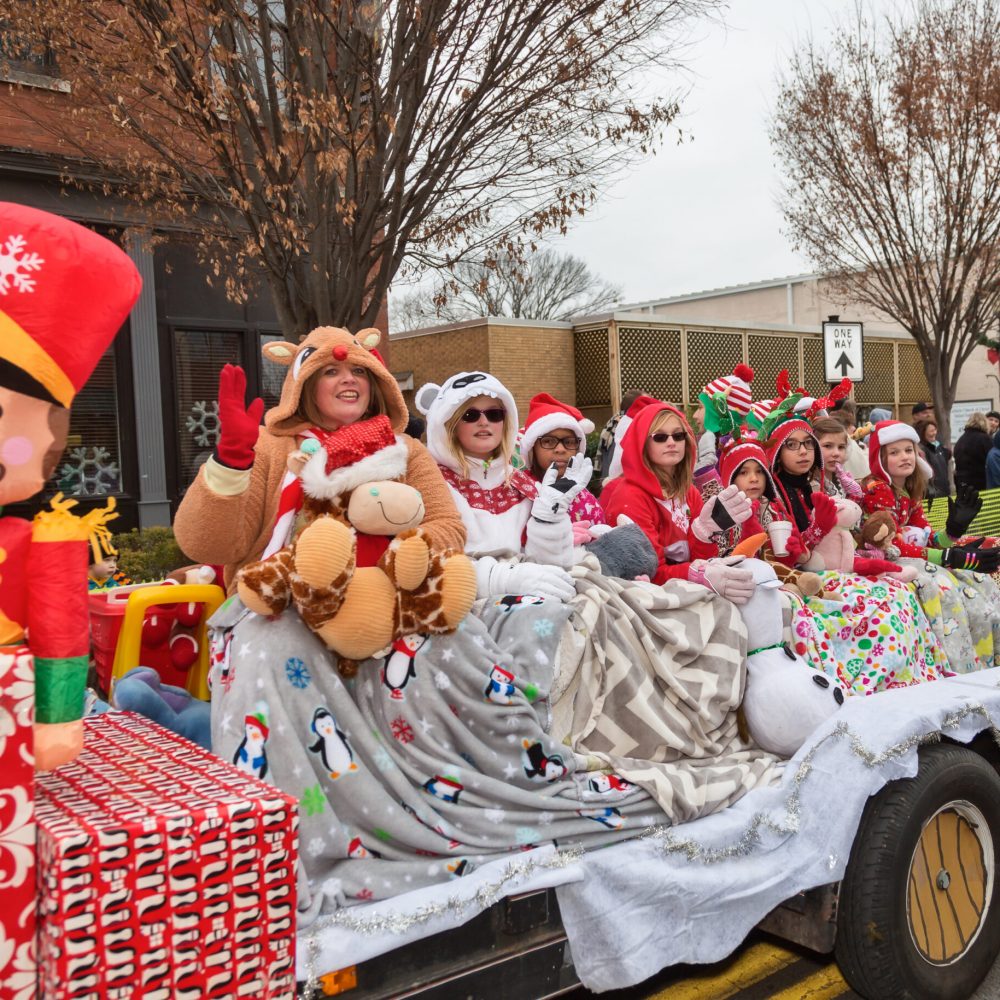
column 250, row 335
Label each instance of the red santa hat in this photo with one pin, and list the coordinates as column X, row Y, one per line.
column 736, row 388
column 888, row 432
column 547, row 414
column 507, row 674
column 64, row 294
column 351, row 456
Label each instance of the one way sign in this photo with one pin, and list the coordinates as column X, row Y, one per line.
column 843, row 351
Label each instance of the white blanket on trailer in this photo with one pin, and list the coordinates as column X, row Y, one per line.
column 693, row 892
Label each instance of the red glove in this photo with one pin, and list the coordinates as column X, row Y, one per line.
column 795, row 547
column 239, row 424
column 872, row 567
column 824, row 514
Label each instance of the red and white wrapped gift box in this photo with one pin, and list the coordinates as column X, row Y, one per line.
column 164, row 873
column 17, row 824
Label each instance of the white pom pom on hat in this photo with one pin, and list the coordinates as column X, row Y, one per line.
column 736, row 387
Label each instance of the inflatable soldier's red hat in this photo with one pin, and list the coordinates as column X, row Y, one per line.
column 64, row 294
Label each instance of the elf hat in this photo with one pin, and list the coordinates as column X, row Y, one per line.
column 64, row 294
column 547, row 414
column 734, row 455
column 736, row 388
column 889, row 432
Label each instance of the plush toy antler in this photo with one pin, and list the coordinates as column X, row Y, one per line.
column 838, row 392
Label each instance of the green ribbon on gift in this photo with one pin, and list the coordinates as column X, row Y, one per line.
column 59, row 688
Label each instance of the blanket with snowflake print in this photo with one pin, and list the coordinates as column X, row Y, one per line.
column 451, row 751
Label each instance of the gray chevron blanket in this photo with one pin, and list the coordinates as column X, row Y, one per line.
column 535, row 723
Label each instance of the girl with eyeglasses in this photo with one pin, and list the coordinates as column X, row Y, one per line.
column 796, row 461
column 471, row 428
column 553, row 434
column 656, row 491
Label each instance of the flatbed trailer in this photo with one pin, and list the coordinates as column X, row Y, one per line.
column 916, row 916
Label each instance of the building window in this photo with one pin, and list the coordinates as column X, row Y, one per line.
column 28, row 63
column 91, row 465
column 198, row 359
column 272, row 376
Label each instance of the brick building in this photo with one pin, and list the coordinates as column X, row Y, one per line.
column 145, row 420
column 672, row 347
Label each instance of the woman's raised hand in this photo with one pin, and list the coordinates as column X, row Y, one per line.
column 239, row 424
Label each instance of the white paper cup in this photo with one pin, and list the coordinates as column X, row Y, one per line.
column 779, row 532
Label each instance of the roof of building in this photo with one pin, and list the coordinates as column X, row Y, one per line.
column 711, row 293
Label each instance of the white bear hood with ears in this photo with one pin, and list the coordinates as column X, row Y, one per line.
column 438, row 402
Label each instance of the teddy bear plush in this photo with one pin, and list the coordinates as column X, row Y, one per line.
column 359, row 572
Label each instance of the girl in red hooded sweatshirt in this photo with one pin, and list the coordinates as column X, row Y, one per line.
column 655, row 491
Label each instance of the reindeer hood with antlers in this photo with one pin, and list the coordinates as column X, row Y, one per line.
column 324, row 346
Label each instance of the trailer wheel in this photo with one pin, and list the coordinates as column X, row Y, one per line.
column 919, row 910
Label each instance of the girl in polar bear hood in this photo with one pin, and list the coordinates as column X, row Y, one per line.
column 471, row 429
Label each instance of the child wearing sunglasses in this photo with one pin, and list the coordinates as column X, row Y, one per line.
column 471, row 428
column 656, row 491
column 553, row 434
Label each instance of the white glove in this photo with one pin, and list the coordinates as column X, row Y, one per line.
column 731, row 506
column 725, row 576
column 531, row 578
column 552, row 503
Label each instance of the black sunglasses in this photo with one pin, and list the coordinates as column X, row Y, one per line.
column 494, row 415
column 661, row 436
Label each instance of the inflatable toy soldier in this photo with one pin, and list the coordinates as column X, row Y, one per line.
column 64, row 293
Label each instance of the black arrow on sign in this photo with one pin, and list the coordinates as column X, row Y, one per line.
column 843, row 363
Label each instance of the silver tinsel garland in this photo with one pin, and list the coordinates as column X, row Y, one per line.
column 749, row 840
column 664, row 836
column 398, row 923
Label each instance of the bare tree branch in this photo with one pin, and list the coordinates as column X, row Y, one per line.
column 890, row 144
column 333, row 144
column 548, row 285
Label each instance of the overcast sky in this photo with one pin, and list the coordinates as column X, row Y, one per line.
column 704, row 214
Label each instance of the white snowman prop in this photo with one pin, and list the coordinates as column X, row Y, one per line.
column 785, row 699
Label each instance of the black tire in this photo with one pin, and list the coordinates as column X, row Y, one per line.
column 919, row 910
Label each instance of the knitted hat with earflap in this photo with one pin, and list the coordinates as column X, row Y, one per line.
column 733, row 457
column 547, row 414
column 736, row 388
column 888, row 432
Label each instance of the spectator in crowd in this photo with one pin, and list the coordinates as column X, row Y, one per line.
column 971, row 450
column 920, row 414
column 993, row 463
column 993, row 420
column 606, row 445
column 856, row 462
column 938, row 458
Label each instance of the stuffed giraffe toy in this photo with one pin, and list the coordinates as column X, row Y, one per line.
column 359, row 573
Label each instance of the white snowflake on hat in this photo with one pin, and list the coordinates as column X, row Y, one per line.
column 13, row 261
column 735, row 387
